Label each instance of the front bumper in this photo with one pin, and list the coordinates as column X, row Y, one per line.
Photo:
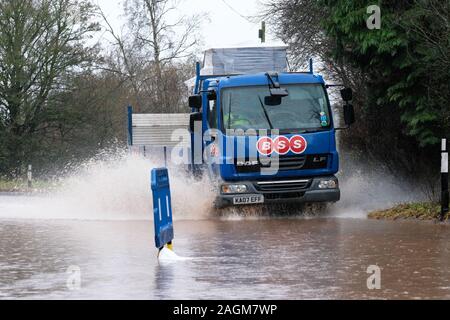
column 285, row 191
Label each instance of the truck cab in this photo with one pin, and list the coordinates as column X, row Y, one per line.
column 266, row 137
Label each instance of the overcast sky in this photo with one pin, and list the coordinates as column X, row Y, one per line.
column 225, row 26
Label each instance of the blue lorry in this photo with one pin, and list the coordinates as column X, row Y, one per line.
column 267, row 137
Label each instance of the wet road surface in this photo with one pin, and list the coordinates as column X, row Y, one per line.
column 319, row 258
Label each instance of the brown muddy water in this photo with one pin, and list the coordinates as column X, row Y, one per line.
column 230, row 258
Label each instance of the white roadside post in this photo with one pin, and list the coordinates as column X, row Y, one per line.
column 444, row 180
column 30, row 176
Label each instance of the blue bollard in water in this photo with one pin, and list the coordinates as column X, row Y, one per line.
column 162, row 208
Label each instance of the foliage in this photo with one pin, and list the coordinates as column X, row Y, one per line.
column 63, row 98
column 152, row 53
column 406, row 61
column 41, row 44
column 400, row 73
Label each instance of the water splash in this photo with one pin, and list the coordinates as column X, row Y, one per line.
column 272, row 211
column 169, row 256
column 113, row 187
column 366, row 188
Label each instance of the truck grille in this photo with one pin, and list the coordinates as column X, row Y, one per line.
column 282, row 186
column 281, row 196
column 305, row 162
column 292, row 163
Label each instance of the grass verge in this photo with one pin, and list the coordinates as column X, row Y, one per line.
column 22, row 186
column 411, row 211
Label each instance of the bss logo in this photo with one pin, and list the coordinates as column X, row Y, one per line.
column 281, row 145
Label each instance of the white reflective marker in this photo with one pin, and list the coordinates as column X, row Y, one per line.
column 159, row 209
column 444, row 164
column 444, row 158
column 30, row 170
column 167, row 206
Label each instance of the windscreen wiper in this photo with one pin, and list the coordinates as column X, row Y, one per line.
column 265, row 112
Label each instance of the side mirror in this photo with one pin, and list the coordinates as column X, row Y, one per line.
column 278, row 92
column 349, row 114
column 212, row 95
column 272, row 100
column 195, row 101
column 347, row 94
column 195, row 117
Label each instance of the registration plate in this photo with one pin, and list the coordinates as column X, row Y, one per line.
column 251, row 199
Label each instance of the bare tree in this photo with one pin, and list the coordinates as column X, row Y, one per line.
column 162, row 37
column 298, row 23
column 123, row 60
column 41, row 41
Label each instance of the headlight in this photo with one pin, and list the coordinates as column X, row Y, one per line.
column 234, row 188
column 328, row 184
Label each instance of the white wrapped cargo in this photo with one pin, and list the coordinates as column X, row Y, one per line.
column 229, row 61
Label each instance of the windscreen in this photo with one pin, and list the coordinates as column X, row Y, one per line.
column 305, row 109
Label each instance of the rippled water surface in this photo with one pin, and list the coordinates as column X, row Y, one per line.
column 230, row 259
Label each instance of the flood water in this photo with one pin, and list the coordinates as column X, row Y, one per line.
column 230, row 258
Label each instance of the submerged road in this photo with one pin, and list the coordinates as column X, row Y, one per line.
column 277, row 258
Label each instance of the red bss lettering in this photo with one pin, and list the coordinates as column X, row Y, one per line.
column 281, row 145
